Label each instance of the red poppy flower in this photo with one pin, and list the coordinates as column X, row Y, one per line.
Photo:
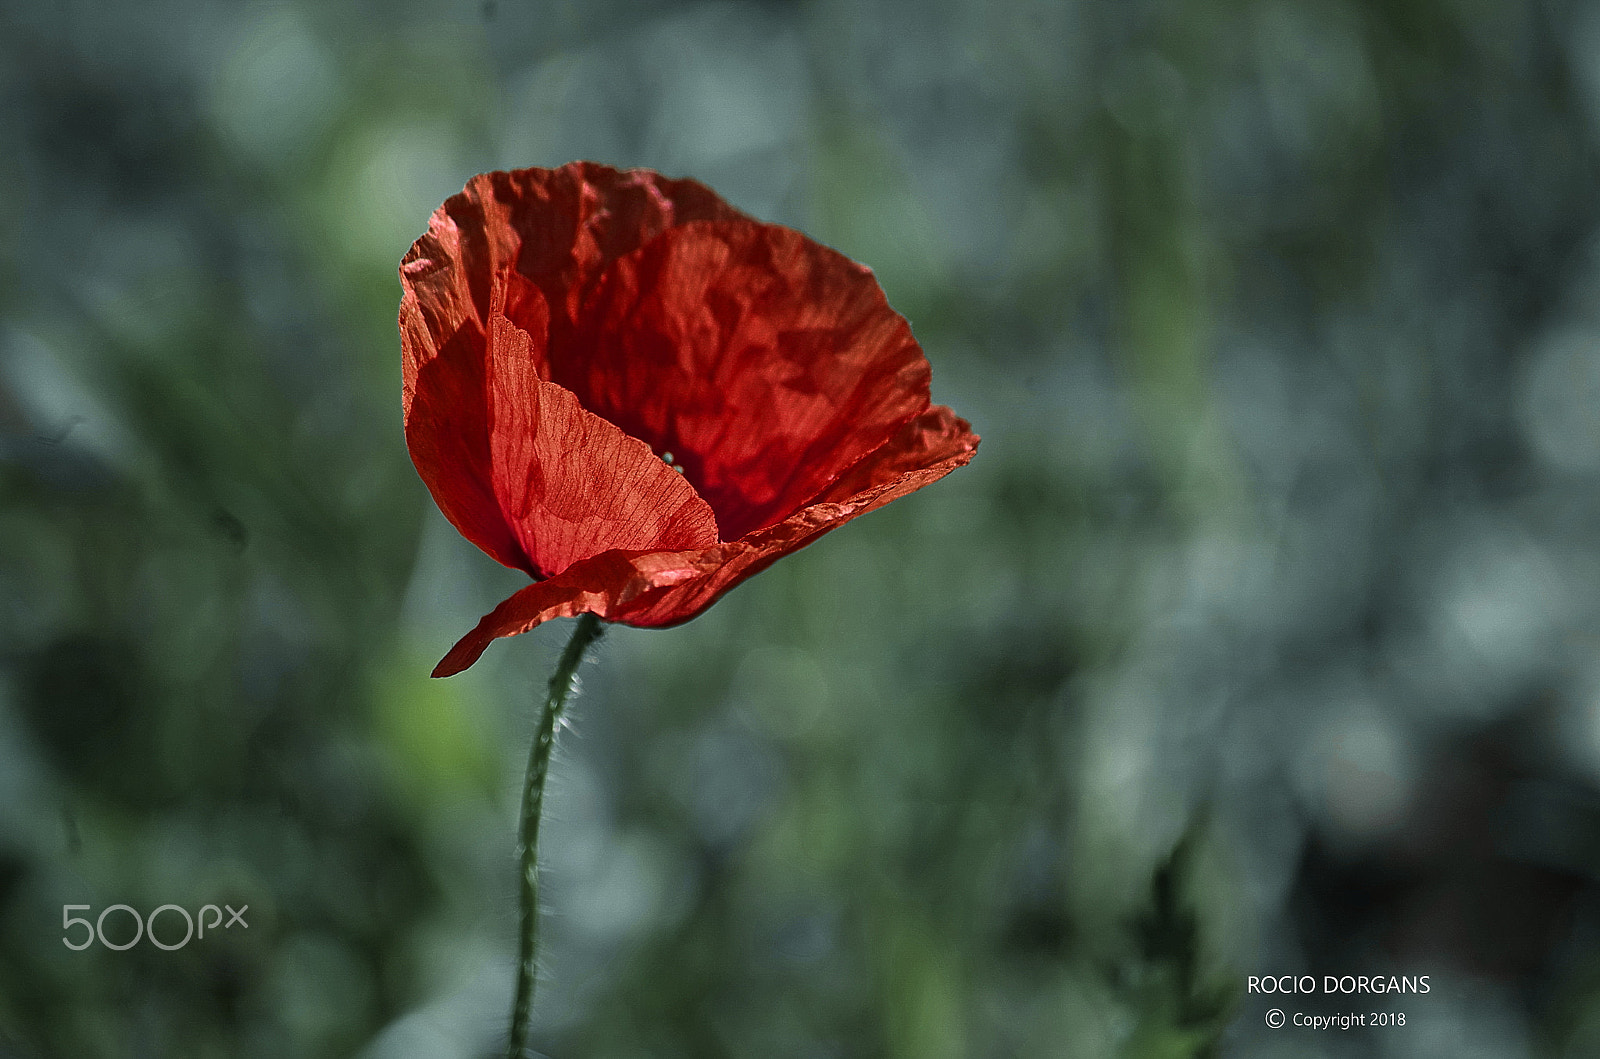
column 639, row 396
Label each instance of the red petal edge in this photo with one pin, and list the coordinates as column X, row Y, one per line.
column 660, row 588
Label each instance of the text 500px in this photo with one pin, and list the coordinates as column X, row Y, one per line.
column 145, row 927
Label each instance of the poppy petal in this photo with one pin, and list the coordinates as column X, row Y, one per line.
column 766, row 362
column 926, row 450
column 447, row 432
column 510, row 242
column 570, row 484
column 556, row 229
column 656, row 589
column 595, row 585
column 930, row 440
column 571, row 223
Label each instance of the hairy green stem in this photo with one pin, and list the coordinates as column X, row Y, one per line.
column 587, row 632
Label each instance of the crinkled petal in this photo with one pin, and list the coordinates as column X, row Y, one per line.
column 447, row 432
column 656, row 589
column 571, row 223
column 930, row 440
column 766, row 363
column 526, row 244
column 596, row 585
column 570, row 484
column 926, row 450
column 555, row 229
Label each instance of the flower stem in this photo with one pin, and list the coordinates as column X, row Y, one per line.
column 588, row 630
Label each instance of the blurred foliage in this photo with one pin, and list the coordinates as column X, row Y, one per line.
column 1278, row 318
column 1184, row 1005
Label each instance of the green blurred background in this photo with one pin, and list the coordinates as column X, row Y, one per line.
column 1260, row 637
